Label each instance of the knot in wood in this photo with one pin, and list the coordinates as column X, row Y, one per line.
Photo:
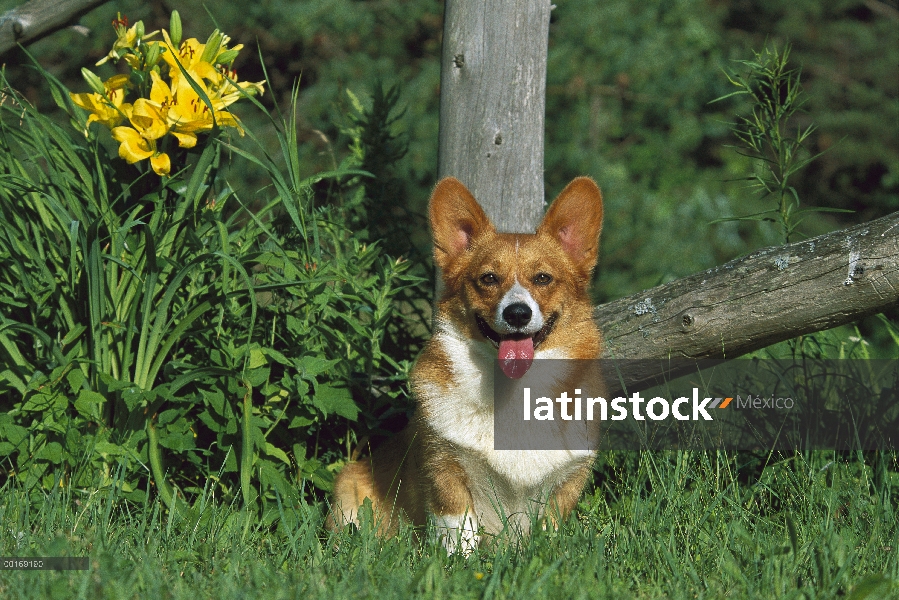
column 687, row 321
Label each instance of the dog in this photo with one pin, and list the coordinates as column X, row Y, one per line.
column 508, row 297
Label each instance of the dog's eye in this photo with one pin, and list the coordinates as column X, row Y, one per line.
column 489, row 279
column 542, row 279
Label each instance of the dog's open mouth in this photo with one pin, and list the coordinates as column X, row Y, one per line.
column 516, row 350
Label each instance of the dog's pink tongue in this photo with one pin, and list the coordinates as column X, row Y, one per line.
column 516, row 356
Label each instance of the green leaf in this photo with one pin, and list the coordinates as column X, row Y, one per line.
column 300, row 422
column 134, row 397
column 334, row 400
column 76, row 379
column 873, row 587
column 14, row 380
column 88, row 403
column 106, row 449
column 209, row 421
column 45, row 402
column 310, row 366
column 113, row 385
column 257, row 358
column 822, row 209
column 257, row 436
column 275, row 355
column 73, row 334
column 10, row 432
column 270, row 475
column 52, row 452
column 257, row 377
column 179, row 442
column 216, row 400
column 323, row 479
column 754, row 217
column 272, row 450
column 169, row 416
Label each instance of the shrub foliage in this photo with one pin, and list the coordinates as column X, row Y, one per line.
column 155, row 325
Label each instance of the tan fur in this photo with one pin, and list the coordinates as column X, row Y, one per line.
column 389, row 478
column 443, row 464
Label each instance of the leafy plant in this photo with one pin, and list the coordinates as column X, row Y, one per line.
column 767, row 137
column 142, row 316
column 380, row 207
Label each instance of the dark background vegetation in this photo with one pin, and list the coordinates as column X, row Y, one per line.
column 629, row 86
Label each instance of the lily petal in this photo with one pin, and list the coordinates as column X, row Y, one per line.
column 161, row 163
column 133, row 147
column 185, row 139
column 148, row 119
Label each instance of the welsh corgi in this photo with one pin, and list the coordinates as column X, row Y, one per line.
column 515, row 298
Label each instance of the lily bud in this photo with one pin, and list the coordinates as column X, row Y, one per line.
column 211, row 49
column 152, row 56
column 93, row 81
column 175, row 29
column 139, row 29
column 116, row 82
column 253, row 89
column 227, row 57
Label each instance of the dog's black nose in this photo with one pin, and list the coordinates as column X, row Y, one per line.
column 517, row 314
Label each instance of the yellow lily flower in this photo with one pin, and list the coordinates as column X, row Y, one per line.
column 135, row 148
column 148, row 119
column 232, row 91
column 188, row 54
column 107, row 108
column 117, row 82
column 127, row 40
column 161, row 163
column 185, row 112
column 199, row 86
column 139, row 141
column 190, row 114
column 224, row 84
column 161, row 95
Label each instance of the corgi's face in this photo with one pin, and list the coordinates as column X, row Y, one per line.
column 522, row 293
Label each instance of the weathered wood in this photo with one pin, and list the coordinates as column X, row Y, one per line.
column 771, row 295
column 492, row 104
column 31, row 21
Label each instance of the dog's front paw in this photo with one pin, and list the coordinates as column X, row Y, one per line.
column 457, row 533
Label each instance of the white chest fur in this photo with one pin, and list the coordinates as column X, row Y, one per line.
column 512, row 482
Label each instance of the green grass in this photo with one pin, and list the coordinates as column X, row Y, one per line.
column 673, row 525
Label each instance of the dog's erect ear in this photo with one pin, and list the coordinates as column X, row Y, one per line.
column 575, row 220
column 456, row 219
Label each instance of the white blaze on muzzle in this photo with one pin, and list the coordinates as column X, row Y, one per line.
column 518, row 294
column 516, row 344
